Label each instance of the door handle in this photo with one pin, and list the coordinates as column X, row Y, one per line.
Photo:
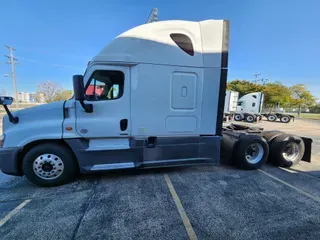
column 123, row 124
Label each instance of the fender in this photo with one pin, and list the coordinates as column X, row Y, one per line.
column 43, row 122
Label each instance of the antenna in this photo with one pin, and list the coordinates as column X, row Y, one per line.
column 153, row 16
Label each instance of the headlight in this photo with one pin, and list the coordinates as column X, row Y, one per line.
column 2, row 137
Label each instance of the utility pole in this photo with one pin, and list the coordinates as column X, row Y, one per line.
column 264, row 80
column 256, row 77
column 12, row 61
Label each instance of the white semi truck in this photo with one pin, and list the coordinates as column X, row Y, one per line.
column 153, row 97
column 249, row 108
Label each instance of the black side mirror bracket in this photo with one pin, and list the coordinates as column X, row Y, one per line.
column 12, row 119
column 88, row 108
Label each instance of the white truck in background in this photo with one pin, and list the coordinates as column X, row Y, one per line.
column 153, row 97
column 249, row 108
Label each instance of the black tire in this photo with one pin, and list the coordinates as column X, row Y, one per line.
column 272, row 118
column 270, row 135
column 62, row 152
column 250, row 118
column 285, row 119
column 242, row 151
column 279, row 150
column 238, row 117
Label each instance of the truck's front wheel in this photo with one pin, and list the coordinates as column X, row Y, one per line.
column 49, row 164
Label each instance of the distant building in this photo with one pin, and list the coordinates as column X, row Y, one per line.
column 25, row 97
column 41, row 98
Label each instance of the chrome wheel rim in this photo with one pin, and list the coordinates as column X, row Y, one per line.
column 271, row 118
column 285, row 119
column 291, row 151
column 250, row 119
column 48, row 166
column 254, row 153
column 237, row 117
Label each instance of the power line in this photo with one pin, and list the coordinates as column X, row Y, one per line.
column 48, row 64
column 12, row 61
column 262, row 80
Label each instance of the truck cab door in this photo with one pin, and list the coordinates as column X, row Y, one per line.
column 107, row 88
column 240, row 106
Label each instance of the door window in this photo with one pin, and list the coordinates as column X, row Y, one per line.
column 105, row 85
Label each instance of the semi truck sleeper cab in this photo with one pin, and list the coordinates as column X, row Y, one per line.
column 154, row 96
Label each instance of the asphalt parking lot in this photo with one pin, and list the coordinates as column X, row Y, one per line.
column 203, row 202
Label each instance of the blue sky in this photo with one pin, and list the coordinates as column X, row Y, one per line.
column 279, row 39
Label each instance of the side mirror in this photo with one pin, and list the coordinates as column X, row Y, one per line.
column 78, row 89
column 6, row 100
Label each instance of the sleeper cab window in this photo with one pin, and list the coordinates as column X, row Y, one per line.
column 105, row 85
column 183, row 42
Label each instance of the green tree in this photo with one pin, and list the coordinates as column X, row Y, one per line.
column 301, row 97
column 315, row 108
column 63, row 95
column 276, row 93
column 244, row 87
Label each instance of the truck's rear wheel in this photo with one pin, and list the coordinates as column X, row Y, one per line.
column 250, row 118
column 49, row 165
column 287, row 150
column 272, row 118
column 270, row 135
column 285, row 119
column 252, row 152
column 238, row 117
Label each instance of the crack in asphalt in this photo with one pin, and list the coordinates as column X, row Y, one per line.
column 85, row 207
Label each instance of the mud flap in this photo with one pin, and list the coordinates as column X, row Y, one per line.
column 308, row 147
column 292, row 117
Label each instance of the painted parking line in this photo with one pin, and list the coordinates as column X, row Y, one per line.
column 288, row 170
column 186, row 222
column 13, row 212
column 299, row 172
column 291, row 186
